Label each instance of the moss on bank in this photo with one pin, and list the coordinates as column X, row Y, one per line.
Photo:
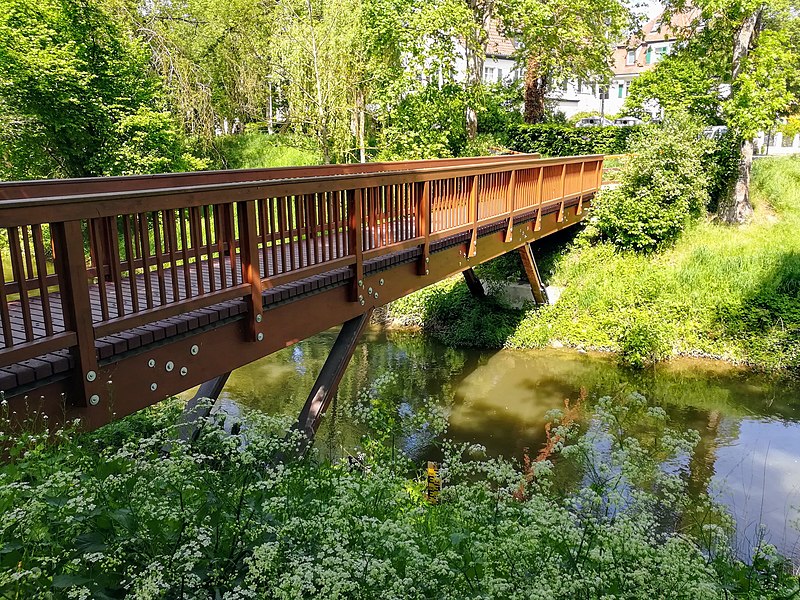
column 732, row 293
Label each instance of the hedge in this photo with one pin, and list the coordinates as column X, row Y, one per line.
column 565, row 140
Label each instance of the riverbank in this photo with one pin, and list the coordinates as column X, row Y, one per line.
column 720, row 292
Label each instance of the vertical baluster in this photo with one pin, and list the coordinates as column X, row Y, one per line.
column 330, row 198
column 130, row 259
column 425, row 225
column 282, row 219
column 96, row 240
column 196, row 229
column 144, row 237
column 18, row 271
column 273, row 229
column 8, row 335
column 158, row 242
column 26, row 247
column 262, row 216
column 41, row 273
column 209, row 237
column 184, row 244
column 293, row 225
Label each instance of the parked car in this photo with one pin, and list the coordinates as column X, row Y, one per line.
column 627, row 122
column 715, row 131
column 593, row 122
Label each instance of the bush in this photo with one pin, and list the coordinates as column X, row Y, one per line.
column 220, row 517
column 563, row 140
column 664, row 186
column 149, row 142
column 643, row 342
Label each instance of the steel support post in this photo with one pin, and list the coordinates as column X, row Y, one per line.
column 329, row 377
column 199, row 407
column 473, row 283
column 532, row 271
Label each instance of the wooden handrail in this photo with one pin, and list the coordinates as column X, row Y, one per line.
column 165, row 244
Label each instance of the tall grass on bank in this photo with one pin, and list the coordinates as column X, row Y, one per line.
column 727, row 292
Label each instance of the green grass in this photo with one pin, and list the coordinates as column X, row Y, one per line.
column 258, row 150
column 726, row 292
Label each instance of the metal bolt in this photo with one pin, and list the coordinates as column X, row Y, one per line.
column 195, row 349
column 360, row 283
column 381, row 282
column 362, row 301
column 151, row 363
column 427, row 259
column 184, row 371
column 427, row 271
column 369, row 291
column 91, row 376
column 376, row 295
column 153, row 387
column 169, row 366
column 94, row 400
column 259, row 318
column 260, row 337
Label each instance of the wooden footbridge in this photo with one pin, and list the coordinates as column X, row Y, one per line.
column 119, row 292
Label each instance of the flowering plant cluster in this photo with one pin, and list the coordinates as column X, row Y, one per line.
column 133, row 511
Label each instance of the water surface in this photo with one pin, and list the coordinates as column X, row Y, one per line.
column 748, row 457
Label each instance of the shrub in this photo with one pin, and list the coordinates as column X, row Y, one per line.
column 643, row 342
column 563, row 140
column 664, row 186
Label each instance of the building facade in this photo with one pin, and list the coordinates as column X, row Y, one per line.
column 629, row 59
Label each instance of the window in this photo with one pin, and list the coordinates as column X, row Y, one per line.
column 648, row 57
column 661, row 52
column 631, row 58
column 488, row 74
column 580, row 86
column 499, row 75
column 620, row 90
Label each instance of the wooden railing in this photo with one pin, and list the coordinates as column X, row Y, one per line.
column 84, row 259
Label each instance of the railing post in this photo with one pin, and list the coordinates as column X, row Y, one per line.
column 474, row 197
column 539, row 183
column 598, row 172
column 251, row 273
column 425, row 218
column 579, row 210
column 560, row 217
column 356, row 243
column 510, row 200
column 73, row 282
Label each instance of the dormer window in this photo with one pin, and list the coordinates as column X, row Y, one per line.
column 630, row 59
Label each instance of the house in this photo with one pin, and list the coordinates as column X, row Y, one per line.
column 629, row 59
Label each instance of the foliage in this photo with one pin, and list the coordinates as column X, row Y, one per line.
column 149, row 142
column 560, row 40
column 259, row 150
column 675, row 84
column 427, row 124
column 718, row 292
column 664, row 186
column 563, row 140
column 76, row 90
column 155, row 517
column 450, row 313
column 501, row 109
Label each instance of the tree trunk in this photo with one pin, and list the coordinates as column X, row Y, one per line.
column 534, row 92
column 474, row 75
column 736, row 208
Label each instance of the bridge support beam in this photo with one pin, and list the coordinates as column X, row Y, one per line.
column 329, row 377
column 474, row 284
column 198, row 408
column 532, row 271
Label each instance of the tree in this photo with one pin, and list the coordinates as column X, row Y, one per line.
column 69, row 72
column 746, row 51
column 559, row 40
column 675, row 85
